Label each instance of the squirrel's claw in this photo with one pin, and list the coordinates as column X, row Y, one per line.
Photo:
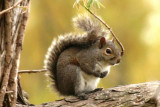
column 82, row 96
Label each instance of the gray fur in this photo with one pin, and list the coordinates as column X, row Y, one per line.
column 65, row 47
column 85, row 23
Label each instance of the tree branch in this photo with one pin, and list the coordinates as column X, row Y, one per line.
column 10, row 8
column 139, row 95
column 32, row 71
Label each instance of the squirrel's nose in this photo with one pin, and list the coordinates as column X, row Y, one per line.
column 118, row 61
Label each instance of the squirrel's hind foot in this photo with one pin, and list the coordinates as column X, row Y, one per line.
column 82, row 96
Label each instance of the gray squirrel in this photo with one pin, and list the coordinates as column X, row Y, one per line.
column 76, row 62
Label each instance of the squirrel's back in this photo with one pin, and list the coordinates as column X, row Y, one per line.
column 92, row 32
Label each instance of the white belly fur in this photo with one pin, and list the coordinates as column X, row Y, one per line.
column 88, row 82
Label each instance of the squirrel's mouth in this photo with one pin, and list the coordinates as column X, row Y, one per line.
column 112, row 63
column 115, row 61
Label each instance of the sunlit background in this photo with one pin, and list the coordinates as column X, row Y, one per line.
column 135, row 22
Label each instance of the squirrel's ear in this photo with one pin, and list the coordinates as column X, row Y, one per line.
column 102, row 42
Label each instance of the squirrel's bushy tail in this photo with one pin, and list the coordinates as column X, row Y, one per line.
column 94, row 32
column 86, row 23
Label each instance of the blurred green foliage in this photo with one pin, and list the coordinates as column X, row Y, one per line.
column 135, row 22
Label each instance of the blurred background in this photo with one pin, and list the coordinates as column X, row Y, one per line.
column 135, row 22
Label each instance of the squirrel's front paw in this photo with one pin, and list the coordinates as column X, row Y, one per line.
column 103, row 74
column 97, row 74
column 100, row 74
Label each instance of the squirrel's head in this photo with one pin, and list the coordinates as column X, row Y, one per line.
column 109, row 52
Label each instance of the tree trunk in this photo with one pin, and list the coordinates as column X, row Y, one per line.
column 13, row 20
column 139, row 95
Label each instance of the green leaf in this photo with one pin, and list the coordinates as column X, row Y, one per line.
column 77, row 3
column 99, row 4
column 89, row 3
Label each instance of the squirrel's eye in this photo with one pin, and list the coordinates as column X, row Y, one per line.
column 108, row 51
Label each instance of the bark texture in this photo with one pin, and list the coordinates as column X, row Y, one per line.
column 12, row 27
column 134, row 95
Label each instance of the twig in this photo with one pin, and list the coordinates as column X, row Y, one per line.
column 10, row 8
column 32, row 71
column 8, row 92
column 122, row 48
